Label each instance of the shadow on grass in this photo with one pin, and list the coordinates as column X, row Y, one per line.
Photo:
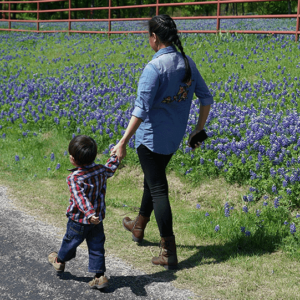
column 207, row 254
column 257, row 244
column 136, row 283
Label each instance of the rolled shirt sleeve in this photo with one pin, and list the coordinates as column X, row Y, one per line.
column 202, row 91
column 147, row 89
column 111, row 166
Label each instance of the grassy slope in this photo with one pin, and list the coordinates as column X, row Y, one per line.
column 211, row 269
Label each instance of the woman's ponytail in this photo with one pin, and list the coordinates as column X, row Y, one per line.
column 165, row 28
column 188, row 73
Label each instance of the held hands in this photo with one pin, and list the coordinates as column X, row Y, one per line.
column 194, row 132
column 94, row 220
column 119, row 150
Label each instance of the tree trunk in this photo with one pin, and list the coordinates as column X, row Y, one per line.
column 226, row 8
column 62, row 4
column 118, row 10
column 289, row 7
column 46, row 14
column 75, row 12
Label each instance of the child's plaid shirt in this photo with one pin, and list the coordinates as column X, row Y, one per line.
column 88, row 187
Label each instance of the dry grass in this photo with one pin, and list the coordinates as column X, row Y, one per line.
column 258, row 276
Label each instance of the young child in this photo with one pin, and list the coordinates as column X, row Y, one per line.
column 87, row 184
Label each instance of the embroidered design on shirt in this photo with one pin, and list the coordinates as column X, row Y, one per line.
column 180, row 96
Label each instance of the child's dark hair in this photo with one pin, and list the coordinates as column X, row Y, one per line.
column 84, row 149
column 165, row 28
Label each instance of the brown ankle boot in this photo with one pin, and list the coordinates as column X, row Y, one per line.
column 168, row 256
column 136, row 226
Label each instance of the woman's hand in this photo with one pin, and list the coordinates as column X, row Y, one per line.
column 119, row 150
column 191, row 135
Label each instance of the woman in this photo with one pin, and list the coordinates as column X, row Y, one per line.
column 160, row 116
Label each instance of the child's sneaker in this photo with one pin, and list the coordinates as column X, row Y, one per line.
column 52, row 258
column 99, row 283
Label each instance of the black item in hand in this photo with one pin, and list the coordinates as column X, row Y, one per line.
column 198, row 138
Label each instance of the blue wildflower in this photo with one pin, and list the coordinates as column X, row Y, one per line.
column 247, row 233
column 293, row 228
column 17, row 158
column 207, row 214
column 217, row 228
column 245, row 209
column 198, row 206
column 276, row 202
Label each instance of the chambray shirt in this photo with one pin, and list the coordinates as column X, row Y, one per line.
column 163, row 101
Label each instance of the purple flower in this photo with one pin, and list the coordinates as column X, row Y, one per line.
column 52, row 157
column 245, row 209
column 17, row 158
column 198, row 206
column 49, row 169
column 285, row 223
column 258, row 213
column 293, row 228
column 207, row 214
column 276, row 202
column 217, row 228
column 274, row 189
column 65, row 153
column 227, row 209
column 243, row 229
column 247, row 233
column 298, row 216
column 57, row 166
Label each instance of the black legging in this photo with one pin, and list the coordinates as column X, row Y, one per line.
column 156, row 192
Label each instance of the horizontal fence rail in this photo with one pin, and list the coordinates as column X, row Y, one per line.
column 109, row 19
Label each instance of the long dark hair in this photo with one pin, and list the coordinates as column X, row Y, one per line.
column 165, row 28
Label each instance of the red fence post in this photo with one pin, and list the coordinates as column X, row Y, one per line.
column 218, row 16
column 70, row 6
column 109, row 18
column 9, row 23
column 298, row 22
column 38, row 16
column 157, row 7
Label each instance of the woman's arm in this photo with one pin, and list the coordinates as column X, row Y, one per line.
column 120, row 149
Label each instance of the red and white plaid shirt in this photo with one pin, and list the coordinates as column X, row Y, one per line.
column 88, row 187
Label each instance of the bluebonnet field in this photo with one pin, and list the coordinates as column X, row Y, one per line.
column 57, row 86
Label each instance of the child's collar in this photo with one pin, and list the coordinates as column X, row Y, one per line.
column 82, row 167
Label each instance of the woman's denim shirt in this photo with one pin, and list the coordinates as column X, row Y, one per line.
column 163, row 100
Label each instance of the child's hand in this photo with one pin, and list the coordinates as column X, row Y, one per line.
column 94, row 220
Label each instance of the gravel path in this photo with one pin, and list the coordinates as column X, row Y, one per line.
column 26, row 274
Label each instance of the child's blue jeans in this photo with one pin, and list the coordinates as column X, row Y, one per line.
column 95, row 238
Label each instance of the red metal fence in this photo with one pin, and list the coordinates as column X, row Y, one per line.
column 109, row 18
